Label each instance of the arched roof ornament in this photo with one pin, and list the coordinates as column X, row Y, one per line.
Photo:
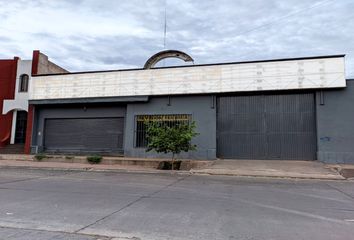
column 153, row 60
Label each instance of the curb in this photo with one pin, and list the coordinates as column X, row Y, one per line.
column 179, row 172
column 274, row 177
column 299, row 176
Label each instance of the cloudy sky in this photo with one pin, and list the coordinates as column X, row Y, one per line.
column 112, row 34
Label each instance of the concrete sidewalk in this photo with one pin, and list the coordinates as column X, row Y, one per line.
column 76, row 166
column 107, row 162
column 271, row 168
column 249, row 168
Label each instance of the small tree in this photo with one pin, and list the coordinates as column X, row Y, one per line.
column 170, row 139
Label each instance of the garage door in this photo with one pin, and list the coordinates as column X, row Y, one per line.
column 84, row 135
column 268, row 126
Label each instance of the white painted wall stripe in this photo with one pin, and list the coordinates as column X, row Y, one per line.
column 277, row 75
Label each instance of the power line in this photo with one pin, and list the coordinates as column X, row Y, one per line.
column 165, row 27
column 315, row 5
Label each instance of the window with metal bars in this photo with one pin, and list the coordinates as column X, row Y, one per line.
column 169, row 120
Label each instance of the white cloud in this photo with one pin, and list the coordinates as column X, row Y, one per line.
column 106, row 34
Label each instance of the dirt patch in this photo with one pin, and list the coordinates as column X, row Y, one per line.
column 347, row 173
column 184, row 165
column 167, row 165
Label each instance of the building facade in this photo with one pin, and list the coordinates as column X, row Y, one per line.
column 15, row 79
column 276, row 109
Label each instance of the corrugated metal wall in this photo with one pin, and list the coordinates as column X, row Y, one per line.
column 84, row 135
column 269, row 126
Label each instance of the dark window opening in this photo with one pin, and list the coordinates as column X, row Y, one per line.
column 21, row 125
column 24, row 78
column 166, row 120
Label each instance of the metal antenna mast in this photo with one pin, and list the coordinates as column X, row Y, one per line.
column 165, row 27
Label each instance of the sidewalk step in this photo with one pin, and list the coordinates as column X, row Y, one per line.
column 16, row 157
column 12, row 149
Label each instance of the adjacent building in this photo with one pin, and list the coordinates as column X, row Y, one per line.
column 15, row 77
column 285, row 109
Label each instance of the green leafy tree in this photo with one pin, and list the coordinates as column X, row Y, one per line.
column 170, row 139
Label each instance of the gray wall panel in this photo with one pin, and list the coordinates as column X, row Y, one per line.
column 202, row 111
column 335, row 125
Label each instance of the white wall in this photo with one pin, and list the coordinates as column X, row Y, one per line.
column 276, row 75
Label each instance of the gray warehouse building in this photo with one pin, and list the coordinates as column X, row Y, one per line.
column 287, row 109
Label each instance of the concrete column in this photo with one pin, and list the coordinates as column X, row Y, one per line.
column 13, row 127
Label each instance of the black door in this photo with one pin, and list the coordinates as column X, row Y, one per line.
column 269, row 126
column 84, row 135
column 21, row 125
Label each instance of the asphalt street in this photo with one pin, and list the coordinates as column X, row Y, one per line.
column 79, row 205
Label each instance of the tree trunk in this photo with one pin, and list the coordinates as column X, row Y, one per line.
column 173, row 160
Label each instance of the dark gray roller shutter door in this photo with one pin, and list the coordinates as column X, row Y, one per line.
column 84, row 135
column 279, row 126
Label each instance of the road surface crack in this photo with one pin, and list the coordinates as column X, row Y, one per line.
column 132, row 203
column 339, row 190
